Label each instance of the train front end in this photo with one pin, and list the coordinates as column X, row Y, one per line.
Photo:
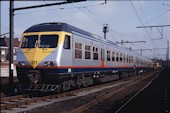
column 38, row 53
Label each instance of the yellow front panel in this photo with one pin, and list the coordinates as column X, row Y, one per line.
column 36, row 55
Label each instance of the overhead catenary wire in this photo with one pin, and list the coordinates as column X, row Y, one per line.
column 146, row 19
column 140, row 19
column 142, row 11
column 99, row 21
column 80, row 7
column 157, row 16
column 4, row 26
column 4, row 34
column 113, row 36
column 166, row 5
column 7, row 28
column 96, row 19
column 123, row 35
column 142, row 23
column 86, row 10
column 44, row 1
column 160, row 32
column 61, row 8
column 94, row 14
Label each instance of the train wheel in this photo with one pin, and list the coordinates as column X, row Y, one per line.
column 67, row 85
column 88, row 81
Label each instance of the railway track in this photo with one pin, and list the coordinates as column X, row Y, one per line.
column 5, row 80
column 8, row 103
column 8, row 89
column 105, row 103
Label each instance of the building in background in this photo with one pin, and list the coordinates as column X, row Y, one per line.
column 4, row 47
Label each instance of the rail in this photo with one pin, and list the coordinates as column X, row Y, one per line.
column 104, row 99
column 8, row 103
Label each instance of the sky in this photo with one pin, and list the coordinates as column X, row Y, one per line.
column 122, row 17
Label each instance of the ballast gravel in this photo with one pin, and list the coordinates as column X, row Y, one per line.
column 64, row 104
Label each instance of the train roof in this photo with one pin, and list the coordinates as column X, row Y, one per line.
column 55, row 26
column 58, row 26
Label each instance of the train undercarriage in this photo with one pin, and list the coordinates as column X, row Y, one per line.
column 71, row 81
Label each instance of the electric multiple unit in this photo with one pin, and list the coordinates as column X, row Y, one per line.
column 60, row 54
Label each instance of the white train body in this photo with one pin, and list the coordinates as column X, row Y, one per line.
column 55, row 51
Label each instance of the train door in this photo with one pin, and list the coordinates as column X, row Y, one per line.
column 124, row 59
column 103, row 61
column 67, row 51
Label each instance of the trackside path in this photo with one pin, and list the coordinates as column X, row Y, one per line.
column 153, row 99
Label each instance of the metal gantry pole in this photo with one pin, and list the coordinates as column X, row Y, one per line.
column 105, row 30
column 105, row 35
column 11, row 64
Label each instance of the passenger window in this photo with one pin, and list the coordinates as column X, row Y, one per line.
column 87, row 52
column 124, row 57
column 108, row 55
column 67, row 42
column 130, row 59
column 95, row 53
column 78, row 50
column 121, row 57
column 127, row 58
column 113, row 56
column 117, row 57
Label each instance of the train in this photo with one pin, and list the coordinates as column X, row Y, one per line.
column 57, row 56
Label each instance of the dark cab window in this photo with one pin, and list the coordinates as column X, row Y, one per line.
column 29, row 41
column 67, row 42
column 48, row 41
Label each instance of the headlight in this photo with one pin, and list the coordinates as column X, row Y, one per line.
column 20, row 63
column 49, row 63
column 3, row 52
